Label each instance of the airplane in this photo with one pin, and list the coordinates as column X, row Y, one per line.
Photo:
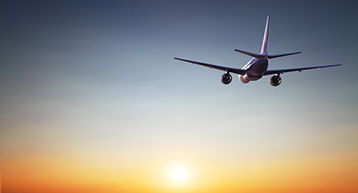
column 257, row 67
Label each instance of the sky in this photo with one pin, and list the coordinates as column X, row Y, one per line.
column 92, row 100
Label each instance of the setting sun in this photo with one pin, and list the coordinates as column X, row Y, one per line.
column 179, row 174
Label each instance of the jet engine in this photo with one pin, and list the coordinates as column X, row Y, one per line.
column 275, row 80
column 226, row 78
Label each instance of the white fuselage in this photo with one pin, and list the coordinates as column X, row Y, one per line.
column 256, row 68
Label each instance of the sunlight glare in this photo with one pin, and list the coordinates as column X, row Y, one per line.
column 179, row 174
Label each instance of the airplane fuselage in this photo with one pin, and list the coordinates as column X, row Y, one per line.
column 256, row 68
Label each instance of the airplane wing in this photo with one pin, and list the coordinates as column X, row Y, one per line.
column 223, row 68
column 281, row 71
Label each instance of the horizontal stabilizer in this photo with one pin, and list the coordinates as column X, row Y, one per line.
column 281, row 55
column 250, row 53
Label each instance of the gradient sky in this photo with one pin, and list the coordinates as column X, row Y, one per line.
column 92, row 100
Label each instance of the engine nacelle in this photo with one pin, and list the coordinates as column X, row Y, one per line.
column 226, row 78
column 275, row 80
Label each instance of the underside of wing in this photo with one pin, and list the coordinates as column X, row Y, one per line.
column 281, row 71
column 223, row 68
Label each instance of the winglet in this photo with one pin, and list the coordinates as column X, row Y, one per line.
column 265, row 39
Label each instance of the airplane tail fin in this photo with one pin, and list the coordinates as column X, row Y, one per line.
column 265, row 39
column 263, row 52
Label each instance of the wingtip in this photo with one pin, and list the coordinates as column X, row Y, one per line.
column 332, row 65
column 181, row 59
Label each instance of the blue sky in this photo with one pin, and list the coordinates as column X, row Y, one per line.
column 100, row 55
